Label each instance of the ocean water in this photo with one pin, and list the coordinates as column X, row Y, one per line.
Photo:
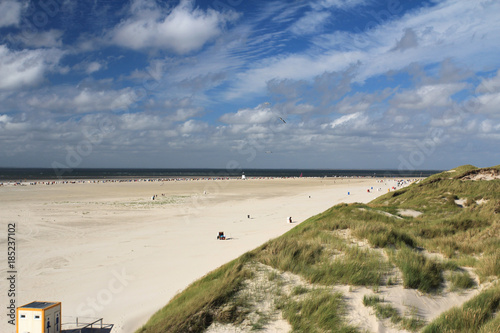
column 23, row 174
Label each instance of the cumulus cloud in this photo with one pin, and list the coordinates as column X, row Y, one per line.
column 192, row 126
column 184, row 29
column 428, row 96
column 256, row 115
column 10, row 13
column 489, row 103
column 26, row 68
column 92, row 67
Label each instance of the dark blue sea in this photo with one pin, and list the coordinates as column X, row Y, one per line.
column 23, row 174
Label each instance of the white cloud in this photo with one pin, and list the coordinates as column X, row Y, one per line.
column 192, row 126
column 296, row 67
column 183, row 114
column 489, row 103
column 342, row 120
column 340, row 4
column 39, row 39
column 428, row 96
column 139, row 121
column 10, row 13
column 93, row 67
column 83, row 101
column 5, row 118
column 183, row 30
column 310, row 23
column 26, row 68
column 439, row 37
column 256, row 115
column 489, row 85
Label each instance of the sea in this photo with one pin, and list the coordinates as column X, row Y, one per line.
column 26, row 174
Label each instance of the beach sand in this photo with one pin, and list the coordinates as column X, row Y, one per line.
column 108, row 250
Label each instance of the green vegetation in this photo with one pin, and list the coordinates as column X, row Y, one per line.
column 312, row 261
column 321, row 311
column 299, row 290
column 418, row 271
column 461, row 280
column 364, row 245
column 196, row 307
column 475, row 315
column 489, row 265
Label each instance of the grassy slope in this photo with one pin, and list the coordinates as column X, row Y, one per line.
column 468, row 236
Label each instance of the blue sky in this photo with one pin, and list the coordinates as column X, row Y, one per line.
column 250, row 84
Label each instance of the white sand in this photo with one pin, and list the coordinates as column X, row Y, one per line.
column 107, row 250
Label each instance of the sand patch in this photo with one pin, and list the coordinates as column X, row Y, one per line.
column 484, row 174
column 257, row 301
column 382, row 212
column 481, row 201
column 409, row 212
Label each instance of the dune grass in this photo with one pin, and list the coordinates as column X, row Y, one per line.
column 468, row 235
column 460, row 280
column 320, row 311
column 312, row 261
column 196, row 307
column 478, row 314
column 418, row 271
column 489, row 265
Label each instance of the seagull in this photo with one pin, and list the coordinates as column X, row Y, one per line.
column 283, row 120
column 269, row 152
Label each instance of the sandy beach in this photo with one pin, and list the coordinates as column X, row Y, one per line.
column 107, row 250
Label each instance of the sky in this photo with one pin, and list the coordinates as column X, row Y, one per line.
column 321, row 84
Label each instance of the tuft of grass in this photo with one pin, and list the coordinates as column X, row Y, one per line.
column 321, row 311
column 261, row 322
column 418, row 271
column 371, row 300
column 299, row 290
column 360, row 267
column 273, row 275
column 475, row 315
column 492, row 326
column 461, row 280
column 382, row 236
column 489, row 266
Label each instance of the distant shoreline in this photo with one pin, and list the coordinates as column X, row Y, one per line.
column 47, row 174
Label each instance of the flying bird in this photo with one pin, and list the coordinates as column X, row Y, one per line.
column 283, row 120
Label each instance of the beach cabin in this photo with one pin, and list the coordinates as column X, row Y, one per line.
column 39, row 317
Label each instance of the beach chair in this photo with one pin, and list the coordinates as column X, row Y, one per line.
column 221, row 235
